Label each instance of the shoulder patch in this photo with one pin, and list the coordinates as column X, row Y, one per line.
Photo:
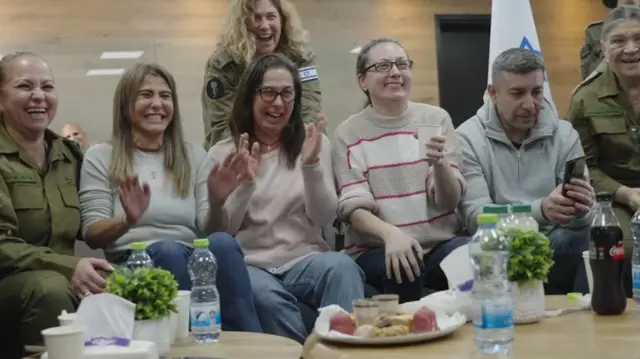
column 215, row 88
column 308, row 73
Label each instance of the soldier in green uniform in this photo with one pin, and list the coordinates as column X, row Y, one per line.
column 39, row 209
column 591, row 53
column 274, row 25
column 604, row 111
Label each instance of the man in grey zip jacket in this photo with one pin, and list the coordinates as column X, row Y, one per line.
column 515, row 150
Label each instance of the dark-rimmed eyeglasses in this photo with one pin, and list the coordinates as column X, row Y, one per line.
column 386, row 66
column 269, row 94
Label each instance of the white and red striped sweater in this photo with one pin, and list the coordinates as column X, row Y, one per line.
column 378, row 168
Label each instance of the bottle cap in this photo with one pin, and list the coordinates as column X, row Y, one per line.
column 138, row 246
column 604, row 197
column 487, row 218
column 495, row 209
column 202, row 242
column 521, row 208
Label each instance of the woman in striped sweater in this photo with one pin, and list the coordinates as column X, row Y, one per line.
column 400, row 207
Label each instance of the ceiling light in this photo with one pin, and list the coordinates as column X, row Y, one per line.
column 113, row 55
column 356, row 50
column 105, row 72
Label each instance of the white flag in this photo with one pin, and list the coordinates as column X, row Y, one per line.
column 512, row 26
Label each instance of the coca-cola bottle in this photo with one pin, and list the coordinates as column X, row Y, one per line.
column 607, row 258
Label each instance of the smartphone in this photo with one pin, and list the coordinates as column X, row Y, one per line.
column 573, row 169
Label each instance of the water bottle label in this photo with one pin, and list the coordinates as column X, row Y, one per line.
column 205, row 317
column 492, row 316
column 636, row 279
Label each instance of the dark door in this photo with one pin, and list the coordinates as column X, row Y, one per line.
column 462, row 44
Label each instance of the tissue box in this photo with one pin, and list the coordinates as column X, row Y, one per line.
column 137, row 349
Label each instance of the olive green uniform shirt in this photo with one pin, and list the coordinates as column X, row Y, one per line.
column 39, row 212
column 608, row 128
column 591, row 54
column 221, row 80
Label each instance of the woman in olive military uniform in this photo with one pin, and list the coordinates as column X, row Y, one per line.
column 605, row 112
column 39, row 211
column 255, row 27
column 591, row 53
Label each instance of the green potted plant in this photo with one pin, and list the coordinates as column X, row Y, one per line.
column 154, row 292
column 530, row 259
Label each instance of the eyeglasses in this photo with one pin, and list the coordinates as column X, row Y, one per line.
column 269, row 95
column 386, row 66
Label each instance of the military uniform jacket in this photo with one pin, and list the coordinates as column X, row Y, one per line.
column 39, row 212
column 221, row 80
column 591, row 54
column 609, row 131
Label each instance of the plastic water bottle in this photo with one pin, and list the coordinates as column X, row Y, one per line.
column 635, row 257
column 501, row 210
column 205, row 300
column 492, row 300
column 139, row 258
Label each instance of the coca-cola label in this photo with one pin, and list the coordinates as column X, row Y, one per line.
column 617, row 252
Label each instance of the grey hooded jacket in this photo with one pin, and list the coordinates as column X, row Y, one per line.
column 498, row 172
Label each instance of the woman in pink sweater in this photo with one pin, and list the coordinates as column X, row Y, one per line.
column 400, row 207
column 277, row 217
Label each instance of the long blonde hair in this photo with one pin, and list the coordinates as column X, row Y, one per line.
column 239, row 43
column 176, row 158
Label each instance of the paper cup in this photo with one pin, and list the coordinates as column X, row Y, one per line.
column 65, row 342
column 66, row 318
column 425, row 132
column 184, row 304
column 587, row 266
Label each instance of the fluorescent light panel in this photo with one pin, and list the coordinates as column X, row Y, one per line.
column 118, row 55
column 105, row 72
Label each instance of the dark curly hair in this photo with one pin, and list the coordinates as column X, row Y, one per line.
column 242, row 121
column 611, row 4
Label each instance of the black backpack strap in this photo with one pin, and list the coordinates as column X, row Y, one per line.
column 77, row 153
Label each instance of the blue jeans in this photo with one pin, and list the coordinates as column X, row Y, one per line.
column 319, row 280
column 431, row 277
column 568, row 271
column 237, row 307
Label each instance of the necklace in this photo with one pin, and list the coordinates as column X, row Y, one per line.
column 273, row 145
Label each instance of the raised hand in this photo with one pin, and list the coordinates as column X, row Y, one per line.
column 134, row 198
column 313, row 141
column 435, row 149
column 240, row 165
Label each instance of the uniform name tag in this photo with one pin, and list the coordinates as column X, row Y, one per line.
column 308, row 73
column 19, row 178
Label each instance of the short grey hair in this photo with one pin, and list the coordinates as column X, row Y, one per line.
column 516, row 61
column 617, row 16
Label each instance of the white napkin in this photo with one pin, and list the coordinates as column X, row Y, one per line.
column 457, row 266
column 108, row 319
column 322, row 322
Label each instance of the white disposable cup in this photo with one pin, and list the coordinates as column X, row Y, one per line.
column 65, row 342
column 173, row 320
column 66, row 318
column 587, row 266
column 425, row 132
column 184, row 306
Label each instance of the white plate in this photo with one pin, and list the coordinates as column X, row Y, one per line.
column 447, row 324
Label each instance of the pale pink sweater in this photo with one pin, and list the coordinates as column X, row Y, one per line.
column 277, row 219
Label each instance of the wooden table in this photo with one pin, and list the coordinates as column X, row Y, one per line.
column 237, row 345
column 581, row 335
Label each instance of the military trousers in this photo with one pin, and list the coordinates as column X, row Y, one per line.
column 31, row 302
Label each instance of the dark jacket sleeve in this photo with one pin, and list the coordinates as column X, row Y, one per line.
column 218, row 94
column 18, row 256
column 311, row 93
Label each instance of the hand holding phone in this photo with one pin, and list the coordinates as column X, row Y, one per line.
column 573, row 169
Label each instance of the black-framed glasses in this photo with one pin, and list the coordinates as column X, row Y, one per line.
column 386, row 66
column 269, row 94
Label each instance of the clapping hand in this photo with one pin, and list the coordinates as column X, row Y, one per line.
column 240, row 165
column 134, row 198
column 313, row 141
